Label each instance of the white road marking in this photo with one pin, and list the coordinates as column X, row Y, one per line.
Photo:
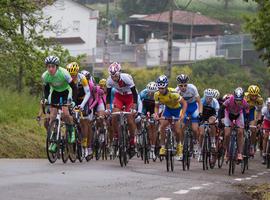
column 196, row 188
column 254, row 176
column 238, row 179
column 181, row 192
column 260, row 174
column 163, row 198
column 248, row 178
column 206, row 184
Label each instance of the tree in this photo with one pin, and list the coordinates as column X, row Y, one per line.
column 259, row 28
column 143, row 6
column 22, row 46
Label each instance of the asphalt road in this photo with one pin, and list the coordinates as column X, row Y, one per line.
column 38, row 180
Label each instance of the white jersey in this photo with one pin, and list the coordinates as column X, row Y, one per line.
column 190, row 94
column 123, row 85
column 266, row 113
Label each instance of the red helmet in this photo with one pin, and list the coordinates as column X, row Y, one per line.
column 114, row 68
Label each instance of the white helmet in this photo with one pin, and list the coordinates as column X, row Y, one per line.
column 267, row 101
column 152, row 87
column 114, row 68
column 217, row 94
column 209, row 93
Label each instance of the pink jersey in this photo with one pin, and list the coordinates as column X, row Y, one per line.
column 99, row 97
column 233, row 108
column 91, row 87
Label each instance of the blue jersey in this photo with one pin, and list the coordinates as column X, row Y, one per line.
column 148, row 102
column 210, row 109
column 112, row 97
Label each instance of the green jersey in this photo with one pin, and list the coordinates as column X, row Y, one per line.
column 58, row 82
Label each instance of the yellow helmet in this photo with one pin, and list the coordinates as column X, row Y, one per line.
column 73, row 68
column 102, row 82
column 253, row 90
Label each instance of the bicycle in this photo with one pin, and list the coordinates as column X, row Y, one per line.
column 188, row 145
column 233, row 149
column 144, row 138
column 246, row 149
column 170, row 143
column 208, row 152
column 100, row 139
column 56, row 137
column 220, row 147
column 123, row 142
column 268, row 151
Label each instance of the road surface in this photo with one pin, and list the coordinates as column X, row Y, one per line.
column 37, row 179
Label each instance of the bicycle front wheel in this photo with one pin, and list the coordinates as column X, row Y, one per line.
column 50, row 140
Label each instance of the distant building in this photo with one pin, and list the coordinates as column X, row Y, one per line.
column 185, row 24
column 75, row 26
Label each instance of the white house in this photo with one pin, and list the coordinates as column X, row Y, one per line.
column 75, row 26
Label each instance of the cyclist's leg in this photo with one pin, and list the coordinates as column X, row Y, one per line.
column 213, row 131
column 240, row 135
column 128, row 102
column 253, row 130
column 117, row 106
column 227, row 133
column 266, row 125
column 163, row 125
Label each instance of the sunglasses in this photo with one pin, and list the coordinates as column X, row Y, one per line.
column 183, row 85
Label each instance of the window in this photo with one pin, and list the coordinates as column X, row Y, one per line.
column 76, row 26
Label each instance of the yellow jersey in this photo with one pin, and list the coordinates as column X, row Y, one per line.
column 252, row 104
column 170, row 99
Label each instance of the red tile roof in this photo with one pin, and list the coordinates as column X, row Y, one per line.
column 182, row 17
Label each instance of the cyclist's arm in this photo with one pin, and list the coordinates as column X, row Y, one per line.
column 46, row 91
column 221, row 110
column 140, row 104
column 108, row 97
column 135, row 95
column 87, row 94
column 184, row 105
column 198, row 99
column 96, row 98
column 74, row 91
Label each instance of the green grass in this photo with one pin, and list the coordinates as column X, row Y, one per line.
column 20, row 135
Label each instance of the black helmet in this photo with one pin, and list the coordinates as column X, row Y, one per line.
column 182, row 78
column 54, row 60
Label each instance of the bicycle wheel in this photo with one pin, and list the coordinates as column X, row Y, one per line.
column 72, row 148
column 232, row 154
column 212, row 155
column 268, row 155
column 51, row 138
column 168, row 160
column 221, row 153
column 145, row 147
column 64, row 149
column 205, row 152
column 186, row 155
column 245, row 156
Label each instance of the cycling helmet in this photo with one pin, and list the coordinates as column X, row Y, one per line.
column 86, row 74
column 114, row 68
column 217, row 94
column 73, row 68
column 238, row 94
column 182, row 78
column 253, row 90
column 267, row 101
column 54, row 60
column 209, row 93
column 162, row 81
column 152, row 87
column 102, row 82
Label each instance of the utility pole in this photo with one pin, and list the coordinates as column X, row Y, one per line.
column 170, row 37
column 106, row 56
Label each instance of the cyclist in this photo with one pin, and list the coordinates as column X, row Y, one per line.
column 255, row 102
column 125, row 96
column 234, row 110
column 148, row 106
column 210, row 113
column 58, row 89
column 194, row 106
column 82, row 101
column 266, row 126
column 173, row 104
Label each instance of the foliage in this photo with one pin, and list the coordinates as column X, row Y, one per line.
column 259, row 28
column 214, row 73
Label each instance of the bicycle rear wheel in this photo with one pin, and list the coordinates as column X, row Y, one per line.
column 244, row 162
column 268, row 155
column 221, row 154
column 145, row 147
column 64, row 149
column 205, row 153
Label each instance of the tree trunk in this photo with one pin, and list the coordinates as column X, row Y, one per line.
column 226, row 5
column 21, row 68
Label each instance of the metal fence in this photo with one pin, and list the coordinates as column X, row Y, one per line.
column 154, row 52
